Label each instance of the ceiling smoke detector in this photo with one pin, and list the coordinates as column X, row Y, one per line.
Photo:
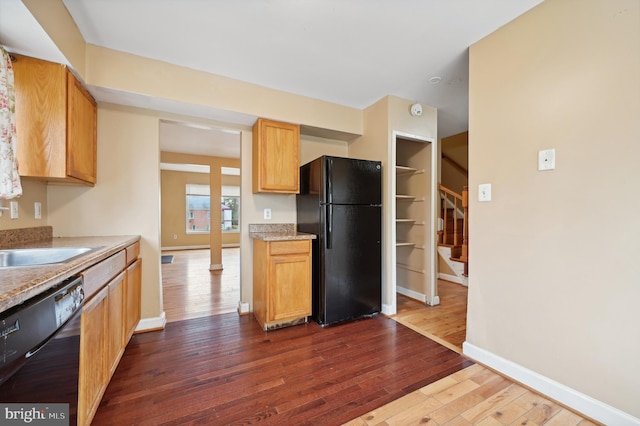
column 416, row 110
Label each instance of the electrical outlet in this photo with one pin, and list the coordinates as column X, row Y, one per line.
column 13, row 206
column 37, row 210
column 267, row 214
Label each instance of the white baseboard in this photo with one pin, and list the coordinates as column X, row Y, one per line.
column 151, row 324
column 453, row 279
column 412, row 294
column 387, row 310
column 231, row 245
column 215, row 266
column 186, row 247
column 578, row 401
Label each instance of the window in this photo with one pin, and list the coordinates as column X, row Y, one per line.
column 230, row 217
column 198, row 208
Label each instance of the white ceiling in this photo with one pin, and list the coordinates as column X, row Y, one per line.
column 351, row 52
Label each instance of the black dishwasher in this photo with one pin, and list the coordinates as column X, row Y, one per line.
column 40, row 356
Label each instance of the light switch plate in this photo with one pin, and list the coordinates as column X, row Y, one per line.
column 484, row 192
column 37, row 210
column 267, row 214
column 13, row 205
column 547, row 159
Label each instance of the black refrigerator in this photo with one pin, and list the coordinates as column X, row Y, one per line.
column 340, row 201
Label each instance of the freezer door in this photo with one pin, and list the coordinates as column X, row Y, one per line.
column 351, row 259
column 352, row 181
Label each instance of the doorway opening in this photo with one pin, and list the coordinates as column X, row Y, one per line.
column 429, row 305
column 200, row 202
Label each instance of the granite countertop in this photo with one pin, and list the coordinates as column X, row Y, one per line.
column 278, row 232
column 21, row 283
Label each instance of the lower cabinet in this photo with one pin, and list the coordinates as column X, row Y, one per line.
column 109, row 317
column 92, row 380
column 115, row 322
column 132, row 297
column 282, row 282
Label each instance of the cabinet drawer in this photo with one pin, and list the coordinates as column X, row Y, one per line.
column 133, row 251
column 101, row 273
column 289, row 247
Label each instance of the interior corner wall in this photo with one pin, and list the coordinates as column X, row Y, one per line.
column 553, row 286
column 381, row 119
column 32, row 191
column 173, row 209
column 126, row 197
column 455, row 147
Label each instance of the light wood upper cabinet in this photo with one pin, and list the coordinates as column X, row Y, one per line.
column 56, row 123
column 276, row 157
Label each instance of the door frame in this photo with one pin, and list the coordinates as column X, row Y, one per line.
column 431, row 295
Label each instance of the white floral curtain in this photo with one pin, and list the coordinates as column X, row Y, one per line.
column 10, row 186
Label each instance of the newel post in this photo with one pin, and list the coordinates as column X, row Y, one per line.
column 465, row 228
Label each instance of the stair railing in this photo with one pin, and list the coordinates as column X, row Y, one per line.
column 456, row 205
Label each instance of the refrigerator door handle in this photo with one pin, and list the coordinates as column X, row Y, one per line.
column 329, row 227
column 328, row 179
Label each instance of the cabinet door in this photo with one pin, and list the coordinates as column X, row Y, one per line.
column 82, row 132
column 289, row 286
column 40, row 117
column 132, row 297
column 276, row 157
column 93, row 369
column 115, row 323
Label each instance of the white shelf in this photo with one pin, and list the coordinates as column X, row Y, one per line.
column 404, row 170
column 405, row 220
column 404, row 244
column 404, row 197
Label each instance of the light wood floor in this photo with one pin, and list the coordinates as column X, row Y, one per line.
column 473, row 396
column 190, row 290
column 445, row 323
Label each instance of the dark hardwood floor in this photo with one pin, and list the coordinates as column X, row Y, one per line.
column 224, row 369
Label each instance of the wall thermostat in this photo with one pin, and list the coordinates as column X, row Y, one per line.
column 416, row 110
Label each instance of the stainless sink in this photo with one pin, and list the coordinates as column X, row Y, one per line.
column 40, row 256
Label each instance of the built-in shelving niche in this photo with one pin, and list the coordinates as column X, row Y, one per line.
column 413, row 213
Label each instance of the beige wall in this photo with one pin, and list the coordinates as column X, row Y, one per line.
column 554, row 257
column 381, row 122
column 32, row 191
column 455, row 147
column 283, row 206
column 126, row 197
column 173, row 209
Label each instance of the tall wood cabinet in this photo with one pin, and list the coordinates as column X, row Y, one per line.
column 276, row 157
column 413, row 214
column 56, row 123
column 281, row 282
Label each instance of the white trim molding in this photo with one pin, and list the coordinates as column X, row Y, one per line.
column 152, row 324
column 578, row 401
column 412, row 294
column 186, row 247
column 388, row 310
